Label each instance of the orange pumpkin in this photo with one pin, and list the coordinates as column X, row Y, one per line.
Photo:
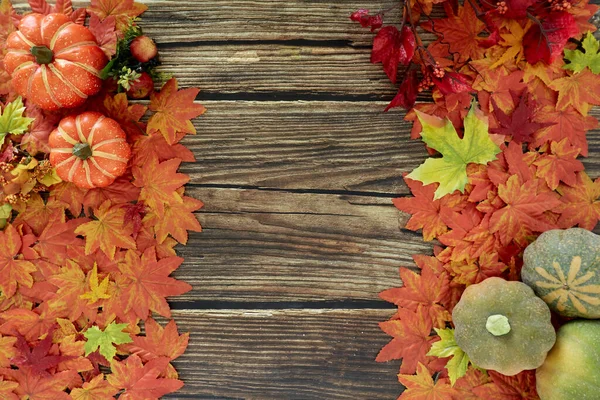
column 54, row 62
column 89, row 150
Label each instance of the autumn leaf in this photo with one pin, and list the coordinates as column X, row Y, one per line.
column 144, row 283
column 392, row 47
column 580, row 205
column 513, row 41
column 407, row 93
column 35, row 386
column 422, row 386
column 107, row 231
column 159, row 183
column 411, row 341
column 105, row 340
column 424, row 210
column 546, row 41
column 367, row 21
column 447, row 347
column 37, row 359
column 96, row 389
column 450, row 171
column 13, row 269
column 158, row 342
column 173, row 111
column 588, row 58
column 428, row 291
column 519, row 125
column 7, row 351
column 522, row 215
column 105, row 33
column 12, row 120
column 122, row 10
column 578, row 90
column 141, row 382
column 7, row 390
column 98, row 290
column 177, row 220
column 154, row 145
column 502, row 387
column 561, row 165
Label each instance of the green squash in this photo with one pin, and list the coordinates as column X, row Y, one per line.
column 571, row 368
column 563, row 268
column 503, row 326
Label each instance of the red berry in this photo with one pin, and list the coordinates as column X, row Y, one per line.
column 141, row 87
column 143, row 49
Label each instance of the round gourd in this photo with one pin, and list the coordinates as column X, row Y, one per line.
column 54, row 62
column 503, row 326
column 571, row 368
column 563, row 268
column 89, row 150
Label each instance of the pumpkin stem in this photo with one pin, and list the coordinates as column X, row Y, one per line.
column 82, row 150
column 497, row 325
column 42, row 54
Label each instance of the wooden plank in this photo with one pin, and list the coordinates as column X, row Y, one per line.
column 312, row 145
column 272, row 246
column 270, row 68
column 303, row 145
column 285, row 354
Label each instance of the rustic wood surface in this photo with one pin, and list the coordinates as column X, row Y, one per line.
column 297, row 165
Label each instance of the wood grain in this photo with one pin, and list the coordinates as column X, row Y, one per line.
column 285, row 354
column 267, row 246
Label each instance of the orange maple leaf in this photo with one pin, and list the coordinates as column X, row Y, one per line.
column 154, row 145
column 422, row 386
column 412, row 339
column 37, row 386
column 7, row 350
column 427, row 290
column 580, row 205
column 123, row 10
column 108, row 231
column 141, row 382
column 460, row 32
column 579, row 90
column 177, row 220
column 502, row 387
column 7, row 390
column 13, row 269
column 523, row 213
column 144, row 283
column 159, row 183
column 158, row 342
column 173, row 111
column 561, row 165
column 96, row 389
column 37, row 212
column 565, row 123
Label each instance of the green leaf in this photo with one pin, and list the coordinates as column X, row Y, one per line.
column 457, row 366
column 12, row 120
column 104, row 340
column 450, row 171
column 588, row 58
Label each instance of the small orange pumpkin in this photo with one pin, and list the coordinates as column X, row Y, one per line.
column 89, row 150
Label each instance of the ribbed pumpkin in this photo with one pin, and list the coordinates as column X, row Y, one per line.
column 89, row 150
column 503, row 326
column 563, row 268
column 54, row 62
column 571, row 368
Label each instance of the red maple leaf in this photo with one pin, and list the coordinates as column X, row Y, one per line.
column 134, row 213
column 105, row 33
column 520, row 124
column 367, row 21
column 141, row 382
column 428, row 291
column 526, row 202
column 580, row 205
column 392, row 47
column 144, row 283
column 37, row 359
column 407, row 93
column 173, row 111
column 425, row 210
column 545, row 41
column 412, row 339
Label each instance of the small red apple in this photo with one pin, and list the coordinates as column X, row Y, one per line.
column 141, row 87
column 143, row 48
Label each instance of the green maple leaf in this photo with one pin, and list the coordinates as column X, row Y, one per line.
column 590, row 58
column 457, row 366
column 450, row 171
column 12, row 120
column 104, row 340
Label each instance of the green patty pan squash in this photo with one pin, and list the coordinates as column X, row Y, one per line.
column 571, row 368
column 503, row 326
column 563, row 268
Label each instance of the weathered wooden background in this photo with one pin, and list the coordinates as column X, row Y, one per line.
column 297, row 165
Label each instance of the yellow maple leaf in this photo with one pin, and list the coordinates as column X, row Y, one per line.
column 513, row 40
column 97, row 290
